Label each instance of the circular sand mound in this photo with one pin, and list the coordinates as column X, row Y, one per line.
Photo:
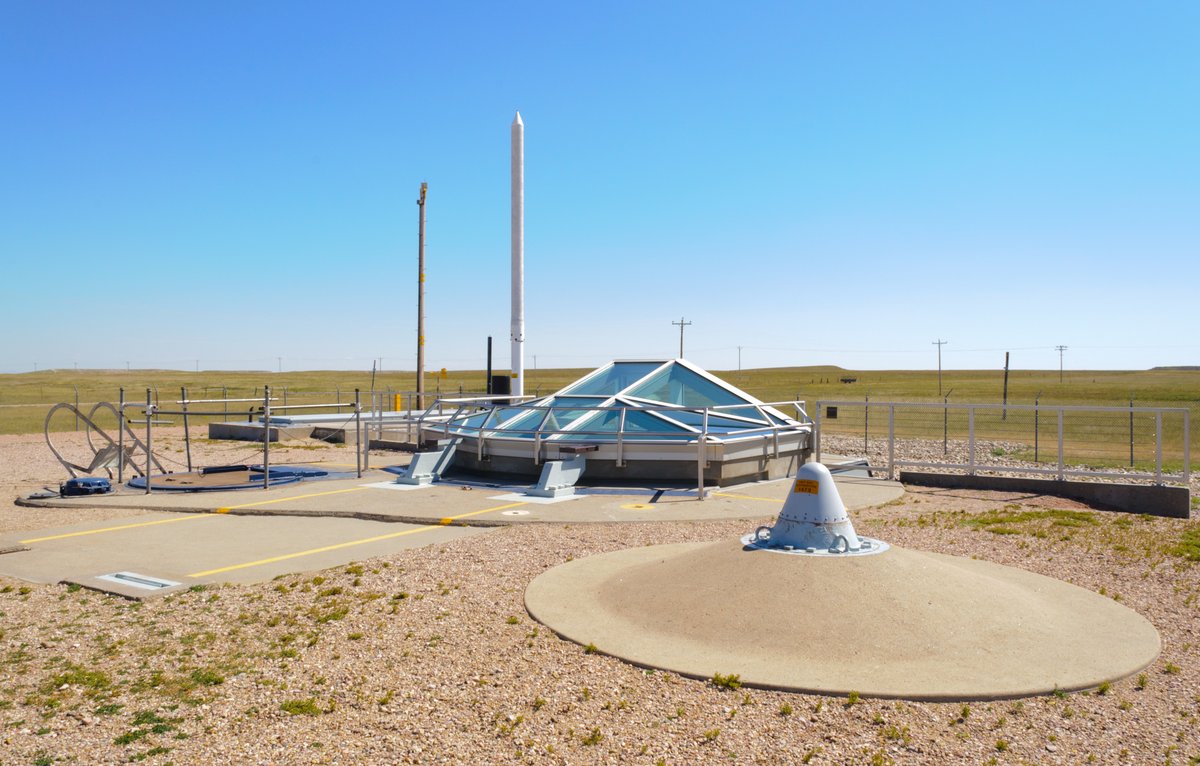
column 903, row 623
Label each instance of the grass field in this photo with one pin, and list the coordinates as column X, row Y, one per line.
column 25, row 398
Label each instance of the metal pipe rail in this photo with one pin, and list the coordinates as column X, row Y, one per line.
column 220, row 401
column 703, row 438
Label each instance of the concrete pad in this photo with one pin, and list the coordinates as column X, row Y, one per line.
column 905, row 624
column 473, row 504
column 202, row 548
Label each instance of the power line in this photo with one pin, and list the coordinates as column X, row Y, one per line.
column 1060, row 350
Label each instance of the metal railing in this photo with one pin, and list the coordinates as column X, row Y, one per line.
column 1128, row 443
column 151, row 409
column 539, row 435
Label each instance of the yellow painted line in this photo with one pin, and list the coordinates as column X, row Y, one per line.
column 451, row 519
column 189, row 517
column 748, row 497
column 229, row 508
column 311, row 551
column 349, row 544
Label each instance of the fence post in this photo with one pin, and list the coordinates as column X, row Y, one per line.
column 1187, row 447
column 866, row 426
column 1061, row 474
column 892, row 442
column 971, row 438
column 1158, row 447
column 1131, row 432
column 1036, row 413
column 946, row 425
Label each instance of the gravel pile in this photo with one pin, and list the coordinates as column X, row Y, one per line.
column 428, row 657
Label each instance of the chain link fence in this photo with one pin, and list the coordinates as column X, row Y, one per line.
column 1129, row 443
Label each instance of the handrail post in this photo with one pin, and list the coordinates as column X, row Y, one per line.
column 187, row 441
column 363, row 440
column 817, row 434
column 1061, row 472
column 891, row 442
column 121, row 435
column 149, row 436
column 266, row 436
column 621, row 438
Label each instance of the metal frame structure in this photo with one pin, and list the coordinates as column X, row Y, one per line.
column 508, row 426
column 150, row 410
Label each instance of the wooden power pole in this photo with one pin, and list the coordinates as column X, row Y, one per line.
column 421, row 300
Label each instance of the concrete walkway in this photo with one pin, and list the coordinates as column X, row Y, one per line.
column 376, row 497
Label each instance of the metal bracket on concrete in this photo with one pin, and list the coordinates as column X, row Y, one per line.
column 427, row 467
column 559, row 477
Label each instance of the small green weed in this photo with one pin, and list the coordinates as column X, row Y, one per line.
column 732, row 682
column 306, row 706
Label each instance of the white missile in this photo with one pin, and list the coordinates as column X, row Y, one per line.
column 518, row 256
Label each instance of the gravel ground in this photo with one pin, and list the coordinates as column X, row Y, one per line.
column 427, row 656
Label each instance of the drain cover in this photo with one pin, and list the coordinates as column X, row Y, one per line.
column 135, row 580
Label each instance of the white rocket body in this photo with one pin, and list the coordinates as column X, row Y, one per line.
column 517, row 328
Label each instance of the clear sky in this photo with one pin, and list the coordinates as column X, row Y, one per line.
column 233, row 184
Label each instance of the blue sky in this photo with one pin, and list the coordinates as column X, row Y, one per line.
column 229, row 184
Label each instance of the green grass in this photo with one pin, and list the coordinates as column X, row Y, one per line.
column 307, row 706
column 1002, row 522
column 1188, row 546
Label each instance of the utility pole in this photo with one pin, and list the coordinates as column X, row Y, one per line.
column 421, row 299
column 279, row 360
column 682, row 324
column 939, row 343
column 1060, row 350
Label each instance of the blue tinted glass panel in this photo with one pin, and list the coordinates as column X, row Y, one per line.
column 472, row 421
column 679, row 385
column 638, row 425
column 616, row 378
column 751, row 413
column 716, row 423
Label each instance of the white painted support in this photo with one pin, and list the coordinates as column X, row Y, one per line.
column 427, row 467
column 559, row 477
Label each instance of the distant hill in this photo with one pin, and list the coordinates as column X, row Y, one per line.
column 1180, row 368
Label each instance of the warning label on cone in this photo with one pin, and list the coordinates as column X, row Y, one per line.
column 807, row 486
